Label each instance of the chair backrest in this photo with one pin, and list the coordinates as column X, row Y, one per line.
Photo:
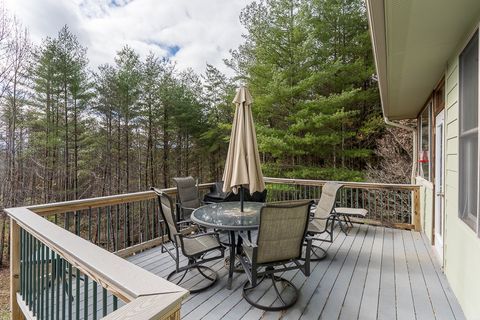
column 282, row 231
column 167, row 211
column 187, row 192
column 327, row 200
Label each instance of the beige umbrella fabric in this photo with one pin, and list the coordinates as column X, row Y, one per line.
column 242, row 167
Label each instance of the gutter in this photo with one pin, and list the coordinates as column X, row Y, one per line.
column 415, row 147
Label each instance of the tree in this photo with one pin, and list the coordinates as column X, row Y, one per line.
column 308, row 65
column 218, row 92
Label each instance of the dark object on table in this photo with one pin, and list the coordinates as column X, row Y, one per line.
column 187, row 196
column 281, row 235
column 194, row 247
column 217, row 195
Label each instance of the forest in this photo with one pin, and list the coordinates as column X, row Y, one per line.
column 71, row 131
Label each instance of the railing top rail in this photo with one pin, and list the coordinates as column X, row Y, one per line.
column 82, row 204
column 124, row 279
column 363, row 185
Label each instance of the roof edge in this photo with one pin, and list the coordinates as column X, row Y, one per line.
column 376, row 22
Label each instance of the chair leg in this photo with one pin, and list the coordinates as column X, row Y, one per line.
column 349, row 221
column 285, row 298
column 342, row 226
column 208, row 277
column 315, row 255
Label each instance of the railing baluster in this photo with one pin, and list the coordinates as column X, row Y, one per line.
column 29, row 270
column 85, row 296
column 89, row 224
column 104, row 302
column 63, row 265
column 70, row 291
column 98, row 227
column 95, row 298
column 52, row 284
column 77, row 223
column 48, row 271
column 58, row 277
column 42, row 292
column 147, row 205
column 77, row 294
column 117, row 226
column 108, row 228
column 35, row 277
column 125, row 228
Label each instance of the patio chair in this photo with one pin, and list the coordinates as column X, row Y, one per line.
column 323, row 220
column 188, row 197
column 197, row 248
column 346, row 213
column 281, row 235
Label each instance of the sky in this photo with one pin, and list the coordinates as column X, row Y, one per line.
column 190, row 32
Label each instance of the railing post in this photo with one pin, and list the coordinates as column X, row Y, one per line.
column 416, row 209
column 14, row 269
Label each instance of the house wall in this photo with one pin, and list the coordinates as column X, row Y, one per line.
column 461, row 244
column 426, row 206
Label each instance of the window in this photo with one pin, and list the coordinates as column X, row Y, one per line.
column 468, row 139
column 424, row 145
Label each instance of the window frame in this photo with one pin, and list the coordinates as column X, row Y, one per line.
column 428, row 107
column 471, row 221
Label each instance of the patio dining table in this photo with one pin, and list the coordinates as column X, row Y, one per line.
column 226, row 216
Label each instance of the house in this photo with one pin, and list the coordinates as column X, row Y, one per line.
column 426, row 54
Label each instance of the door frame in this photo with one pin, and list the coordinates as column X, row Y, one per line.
column 439, row 185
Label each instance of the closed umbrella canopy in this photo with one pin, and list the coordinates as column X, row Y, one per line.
column 242, row 167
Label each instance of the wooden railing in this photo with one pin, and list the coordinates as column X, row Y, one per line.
column 73, row 275
column 66, row 258
column 393, row 205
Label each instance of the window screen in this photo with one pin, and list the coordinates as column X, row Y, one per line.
column 468, row 140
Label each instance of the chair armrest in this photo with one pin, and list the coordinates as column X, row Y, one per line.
column 330, row 217
column 188, row 208
column 192, row 236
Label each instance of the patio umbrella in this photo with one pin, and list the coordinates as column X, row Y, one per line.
column 242, row 167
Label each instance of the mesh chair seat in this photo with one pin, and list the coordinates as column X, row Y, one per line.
column 200, row 244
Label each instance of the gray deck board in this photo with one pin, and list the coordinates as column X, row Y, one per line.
column 452, row 300
column 434, row 287
column 351, row 301
column 387, row 298
column 369, row 298
column 421, row 299
column 336, row 296
column 403, row 290
column 372, row 273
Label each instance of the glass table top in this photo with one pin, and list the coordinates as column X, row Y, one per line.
column 227, row 215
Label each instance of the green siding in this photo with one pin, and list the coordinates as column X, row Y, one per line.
column 462, row 246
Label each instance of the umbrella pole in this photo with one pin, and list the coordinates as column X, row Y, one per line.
column 241, row 198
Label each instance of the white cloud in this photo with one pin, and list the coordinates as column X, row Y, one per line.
column 192, row 32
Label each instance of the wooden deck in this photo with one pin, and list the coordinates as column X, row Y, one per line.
column 373, row 273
